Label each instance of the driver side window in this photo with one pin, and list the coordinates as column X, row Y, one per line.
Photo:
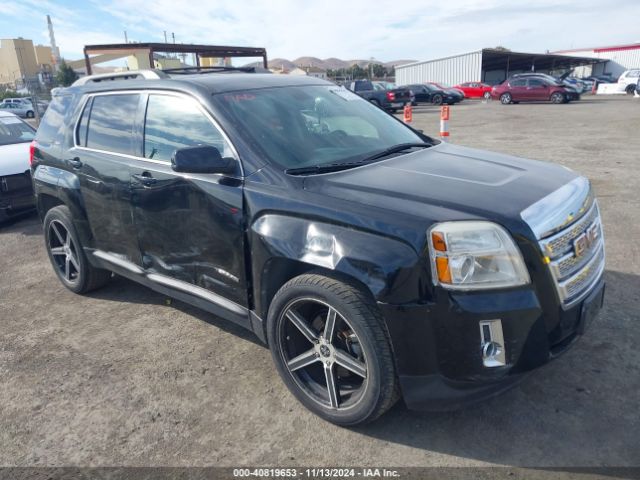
column 173, row 122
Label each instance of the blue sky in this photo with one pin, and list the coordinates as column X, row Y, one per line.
column 386, row 30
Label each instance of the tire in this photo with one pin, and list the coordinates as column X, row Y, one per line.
column 394, row 110
column 306, row 361
column 487, row 95
column 557, row 98
column 67, row 255
column 437, row 99
column 630, row 89
column 506, row 98
column 30, row 114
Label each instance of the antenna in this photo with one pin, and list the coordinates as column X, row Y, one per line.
column 55, row 52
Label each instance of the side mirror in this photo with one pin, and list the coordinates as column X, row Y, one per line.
column 201, row 159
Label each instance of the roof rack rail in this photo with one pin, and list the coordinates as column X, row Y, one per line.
column 128, row 75
column 212, row 69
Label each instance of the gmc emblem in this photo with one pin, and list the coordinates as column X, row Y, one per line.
column 586, row 240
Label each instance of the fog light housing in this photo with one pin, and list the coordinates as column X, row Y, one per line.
column 492, row 344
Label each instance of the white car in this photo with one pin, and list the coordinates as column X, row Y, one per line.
column 20, row 109
column 16, row 190
column 629, row 80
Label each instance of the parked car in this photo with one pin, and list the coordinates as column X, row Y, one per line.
column 375, row 261
column 571, row 91
column 384, row 86
column 21, row 109
column 19, row 100
column 16, row 191
column 475, row 90
column 449, row 90
column 629, row 79
column 530, row 89
column 427, row 93
column 391, row 100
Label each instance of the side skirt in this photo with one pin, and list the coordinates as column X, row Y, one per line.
column 183, row 291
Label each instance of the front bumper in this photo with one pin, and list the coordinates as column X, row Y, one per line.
column 438, row 346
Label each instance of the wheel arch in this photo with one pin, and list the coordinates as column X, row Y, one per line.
column 284, row 247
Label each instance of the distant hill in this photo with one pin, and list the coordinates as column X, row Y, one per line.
column 327, row 63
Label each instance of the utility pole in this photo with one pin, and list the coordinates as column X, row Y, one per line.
column 126, row 40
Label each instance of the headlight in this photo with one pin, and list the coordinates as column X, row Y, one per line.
column 475, row 255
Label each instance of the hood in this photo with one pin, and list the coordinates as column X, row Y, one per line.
column 14, row 158
column 473, row 182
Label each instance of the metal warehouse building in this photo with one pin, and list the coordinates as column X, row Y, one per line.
column 615, row 59
column 488, row 65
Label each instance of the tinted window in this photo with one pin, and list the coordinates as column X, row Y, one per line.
column 175, row 122
column 53, row 119
column 518, row 83
column 536, row 82
column 111, row 123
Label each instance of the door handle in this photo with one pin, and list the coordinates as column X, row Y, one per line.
column 145, row 179
column 75, row 162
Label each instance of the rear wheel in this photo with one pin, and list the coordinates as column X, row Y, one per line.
column 375, row 102
column 506, row 98
column 437, row 99
column 330, row 347
column 66, row 254
column 557, row 97
column 30, row 114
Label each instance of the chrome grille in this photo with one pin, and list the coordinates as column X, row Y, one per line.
column 561, row 242
column 576, row 256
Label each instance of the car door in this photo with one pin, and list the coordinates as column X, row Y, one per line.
column 103, row 145
column 518, row 89
column 537, row 89
column 189, row 226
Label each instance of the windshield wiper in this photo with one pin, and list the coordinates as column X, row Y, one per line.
column 326, row 168
column 336, row 167
column 401, row 147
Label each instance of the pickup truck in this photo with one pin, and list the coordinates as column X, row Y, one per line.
column 390, row 100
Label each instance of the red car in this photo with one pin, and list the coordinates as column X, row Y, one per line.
column 529, row 89
column 475, row 89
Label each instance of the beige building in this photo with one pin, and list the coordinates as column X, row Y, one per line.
column 17, row 60
column 44, row 58
column 310, row 71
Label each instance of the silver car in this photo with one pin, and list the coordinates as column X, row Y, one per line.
column 20, row 109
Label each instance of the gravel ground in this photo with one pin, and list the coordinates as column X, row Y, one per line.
column 124, row 376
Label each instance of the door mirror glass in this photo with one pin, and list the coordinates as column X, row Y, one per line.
column 201, row 159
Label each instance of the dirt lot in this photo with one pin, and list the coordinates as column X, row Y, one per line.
column 124, row 377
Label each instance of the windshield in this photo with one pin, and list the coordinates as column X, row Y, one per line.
column 14, row 130
column 313, row 125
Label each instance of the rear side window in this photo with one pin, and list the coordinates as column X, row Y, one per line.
column 536, row 82
column 83, row 125
column 53, row 120
column 111, row 123
column 176, row 122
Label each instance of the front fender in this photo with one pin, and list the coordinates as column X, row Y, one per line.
column 389, row 268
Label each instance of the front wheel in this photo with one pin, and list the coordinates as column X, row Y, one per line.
column 330, row 346
column 557, row 98
column 630, row 89
column 30, row 114
column 506, row 98
column 487, row 95
column 437, row 99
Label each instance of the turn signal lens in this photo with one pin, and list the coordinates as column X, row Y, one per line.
column 438, row 242
column 444, row 274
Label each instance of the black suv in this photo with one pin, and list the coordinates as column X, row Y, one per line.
column 374, row 261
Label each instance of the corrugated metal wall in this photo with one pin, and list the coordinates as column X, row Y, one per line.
column 619, row 61
column 452, row 70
